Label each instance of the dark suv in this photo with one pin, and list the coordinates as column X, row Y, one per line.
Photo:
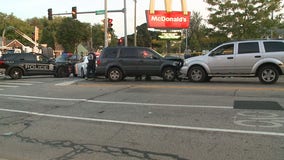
column 116, row 63
column 17, row 65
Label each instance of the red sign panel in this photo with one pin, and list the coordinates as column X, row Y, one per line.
column 168, row 20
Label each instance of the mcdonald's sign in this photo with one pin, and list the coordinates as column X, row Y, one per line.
column 168, row 19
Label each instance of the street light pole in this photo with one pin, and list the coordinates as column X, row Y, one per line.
column 135, row 33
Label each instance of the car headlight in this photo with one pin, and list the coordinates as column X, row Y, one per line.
column 186, row 63
column 176, row 63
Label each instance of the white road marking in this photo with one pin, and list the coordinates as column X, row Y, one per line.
column 259, row 119
column 16, row 83
column 20, row 99
column 116, row 102
column 7, row 86
column 146, row 124
column 19, row 81
column 68, row 82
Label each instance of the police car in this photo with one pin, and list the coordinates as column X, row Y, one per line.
column 17, row 65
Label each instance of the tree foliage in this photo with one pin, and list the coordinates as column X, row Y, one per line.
column 10, row 21
column 98, row 36
column 143, row 36
column 71, row 32
column 244, row 19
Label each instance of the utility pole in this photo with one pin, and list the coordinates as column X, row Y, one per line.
column 135, row 33
column 125, row 24
column 106, row 23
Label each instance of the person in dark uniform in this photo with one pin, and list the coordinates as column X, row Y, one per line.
column 91, row 66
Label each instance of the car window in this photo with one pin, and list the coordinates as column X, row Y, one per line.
column 8, row 56
column 27, row 57
column 128, row 53
column 144, row 53
column 110, row 53
column 274, row 46
column 41, row 58
column 224, row 50
column 248, row 47
column 60, row 59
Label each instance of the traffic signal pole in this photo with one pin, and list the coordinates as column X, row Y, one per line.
column 106, row 25
column 105, row 11
column 125, row 25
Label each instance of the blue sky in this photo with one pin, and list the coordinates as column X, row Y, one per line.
column 25, row 9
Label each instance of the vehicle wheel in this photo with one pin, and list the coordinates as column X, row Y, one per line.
column 115, row 74
column 197, row 74
column 268, row 74
column 16, row 73
column 169, row 74
column 82, row 73
column 62, row 72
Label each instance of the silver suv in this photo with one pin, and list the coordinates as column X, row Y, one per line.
column 253, row 58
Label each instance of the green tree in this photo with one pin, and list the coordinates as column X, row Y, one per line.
column 8, row 22
column 72, row 32
column 197, row 34
column 244, row 19
column 143, row 36
column 97, row 36
column 48, row 31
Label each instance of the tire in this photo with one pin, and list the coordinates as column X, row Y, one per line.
column 82, row 73
column 62, row 72
column 16, row 73
column 169, row 74
column 197, row 74
column 268, row 74
column 115, row 74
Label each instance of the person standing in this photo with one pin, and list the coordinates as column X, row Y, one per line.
column 91, row 66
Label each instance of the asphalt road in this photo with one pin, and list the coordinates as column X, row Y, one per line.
column 45, row 118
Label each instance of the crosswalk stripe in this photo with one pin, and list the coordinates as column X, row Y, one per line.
column 24, row 81
column 20, row 84
column 7, row 86
column 68, row 82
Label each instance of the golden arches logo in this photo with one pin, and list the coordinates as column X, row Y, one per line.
column 168, row 6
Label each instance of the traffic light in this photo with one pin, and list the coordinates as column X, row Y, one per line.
column 109, row 21
column 74, row 12
column 120, row 41
column 49, row 14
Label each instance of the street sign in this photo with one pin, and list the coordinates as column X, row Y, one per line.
column 99, row 12
column 170, row 36
column 168, row 20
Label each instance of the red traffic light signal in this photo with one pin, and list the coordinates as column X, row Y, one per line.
column 120, row 41
column 110, row 23
column 49, row 14
column 74, row 12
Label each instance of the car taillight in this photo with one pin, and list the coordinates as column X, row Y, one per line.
column 1, row 62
